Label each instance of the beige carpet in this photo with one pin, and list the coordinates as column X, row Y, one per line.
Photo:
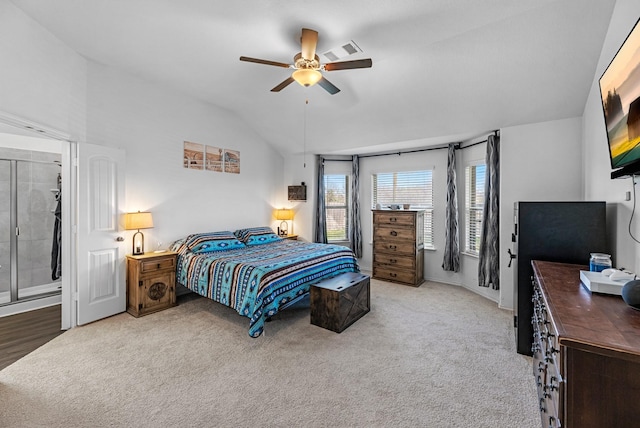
column 433, row 356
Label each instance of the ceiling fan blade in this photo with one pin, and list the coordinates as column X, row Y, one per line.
column 264, row 61
column 283, row 85
column 328, row 86
column 308, row 43
column 347, row 65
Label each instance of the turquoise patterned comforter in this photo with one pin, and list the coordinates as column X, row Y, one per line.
column 258, row 280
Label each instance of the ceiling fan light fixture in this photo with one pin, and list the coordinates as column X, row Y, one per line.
column 307, row 76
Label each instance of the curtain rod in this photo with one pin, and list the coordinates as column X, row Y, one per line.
column 402, row 152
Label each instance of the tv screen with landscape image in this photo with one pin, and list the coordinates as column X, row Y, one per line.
column 620, row 91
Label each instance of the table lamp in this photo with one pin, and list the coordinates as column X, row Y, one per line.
column 284, row 215
column 139, row 220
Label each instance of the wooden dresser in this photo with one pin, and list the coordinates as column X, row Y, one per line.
column 398, row 246
column 586, row 352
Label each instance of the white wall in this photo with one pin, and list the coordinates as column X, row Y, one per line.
column 597, row 169
column 539, row 162
column 151, row 122
column 41, row 79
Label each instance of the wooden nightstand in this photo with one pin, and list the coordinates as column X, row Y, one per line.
column 151, row 282
column 292, row 237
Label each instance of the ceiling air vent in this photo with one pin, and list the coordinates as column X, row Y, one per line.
column 343, row 51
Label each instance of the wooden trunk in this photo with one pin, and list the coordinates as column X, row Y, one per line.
column 340, row 301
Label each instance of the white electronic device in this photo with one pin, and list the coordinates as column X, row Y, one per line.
column 597, row 282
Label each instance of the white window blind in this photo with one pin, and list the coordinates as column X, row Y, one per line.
column 409, row 187
column 336, row 198
column 474, row 191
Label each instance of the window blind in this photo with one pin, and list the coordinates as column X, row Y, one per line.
column 410, row 187
column 336, row 194
column 474, row 205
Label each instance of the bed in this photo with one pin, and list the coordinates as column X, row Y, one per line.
column 254, row 271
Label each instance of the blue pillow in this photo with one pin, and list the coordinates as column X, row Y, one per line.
column 256, row 235
column 213, row 241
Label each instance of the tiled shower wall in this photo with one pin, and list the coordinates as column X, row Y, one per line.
column 37, row 183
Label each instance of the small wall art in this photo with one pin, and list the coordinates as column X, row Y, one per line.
column 298, row 193
column 193, row 155
column 214, row 159
column 232, row 161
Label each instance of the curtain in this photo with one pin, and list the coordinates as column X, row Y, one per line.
column 451, row 260
column 355, row 231
column 321, row 214
column 489, row 263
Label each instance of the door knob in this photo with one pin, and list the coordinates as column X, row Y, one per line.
column 120, row 239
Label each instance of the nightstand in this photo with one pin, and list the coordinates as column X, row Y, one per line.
column 151, row 282
column 292, row 237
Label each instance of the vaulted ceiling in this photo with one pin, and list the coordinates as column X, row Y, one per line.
column 443, row 70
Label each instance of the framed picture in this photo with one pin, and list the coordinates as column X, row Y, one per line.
column 298, row 193
column 193, row 155
column 213, row 159
column 232, row 161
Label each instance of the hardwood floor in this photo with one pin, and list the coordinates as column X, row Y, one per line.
column 22, row 333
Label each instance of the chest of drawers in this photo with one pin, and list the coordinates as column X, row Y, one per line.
column 586, row 352
column 398, row 246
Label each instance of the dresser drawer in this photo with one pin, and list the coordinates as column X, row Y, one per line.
column 154, row 265
column 395, row 233
column 394, row 248
column 394, row 260
column 394, row 218
column 386, row 272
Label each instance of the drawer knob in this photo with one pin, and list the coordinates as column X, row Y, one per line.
column 393, row 220
column 392, row 275
column 393, row 233
column 393, row 261
column 392, row 247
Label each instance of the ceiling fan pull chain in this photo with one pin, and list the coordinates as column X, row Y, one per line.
column 304, row 136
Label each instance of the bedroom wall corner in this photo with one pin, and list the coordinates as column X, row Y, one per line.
column 538, row 162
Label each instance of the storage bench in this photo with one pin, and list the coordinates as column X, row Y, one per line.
column 338, row 302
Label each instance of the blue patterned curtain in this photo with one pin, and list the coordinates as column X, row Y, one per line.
column 355, row 231
column 321, row 215
column 451, row 260
column 489, row 262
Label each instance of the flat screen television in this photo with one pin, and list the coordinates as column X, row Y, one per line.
column 620, row 91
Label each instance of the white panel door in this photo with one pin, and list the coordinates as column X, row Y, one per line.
column 101, row 250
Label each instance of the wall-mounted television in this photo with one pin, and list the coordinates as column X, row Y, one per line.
column 620, row 91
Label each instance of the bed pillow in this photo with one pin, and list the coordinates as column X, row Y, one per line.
column 256, row 235
column 212, row 241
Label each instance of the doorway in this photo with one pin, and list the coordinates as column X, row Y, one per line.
column 30, row 214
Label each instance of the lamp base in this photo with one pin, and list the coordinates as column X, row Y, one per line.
column 283, row 230
column 138, row 243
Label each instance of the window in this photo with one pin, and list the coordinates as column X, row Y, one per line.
column 411, row 187
column 336, row 198
column 474, row 191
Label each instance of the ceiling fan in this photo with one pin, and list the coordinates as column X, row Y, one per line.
column 307, row 65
